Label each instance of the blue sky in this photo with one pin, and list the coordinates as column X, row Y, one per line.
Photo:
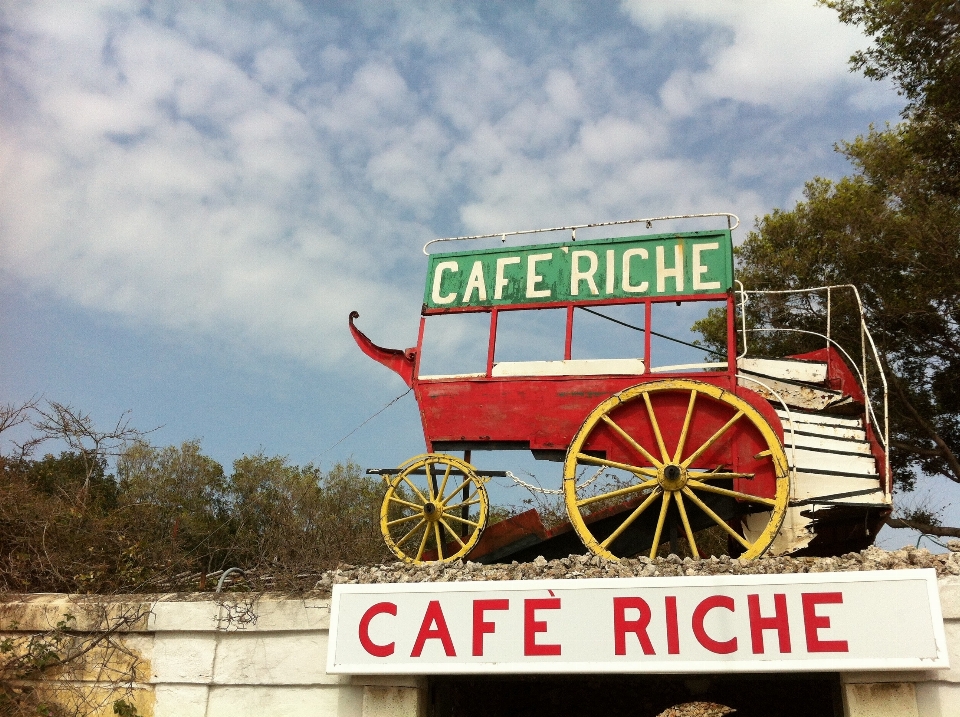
column 193, row 196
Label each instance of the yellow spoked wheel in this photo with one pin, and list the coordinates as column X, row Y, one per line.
column 679, row 456
column 434, row 510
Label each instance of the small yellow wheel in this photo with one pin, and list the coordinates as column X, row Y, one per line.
column 434, row 510
column 725, row 470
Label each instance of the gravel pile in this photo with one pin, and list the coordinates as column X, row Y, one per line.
column 697, row 709
column 577, row 567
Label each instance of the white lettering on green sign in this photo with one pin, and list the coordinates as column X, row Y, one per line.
column 584, row 271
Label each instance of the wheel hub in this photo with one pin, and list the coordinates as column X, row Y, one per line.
column 431, row 511
column 672, row 477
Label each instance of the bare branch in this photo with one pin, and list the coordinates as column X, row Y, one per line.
column 16, row 414
column 928, row 528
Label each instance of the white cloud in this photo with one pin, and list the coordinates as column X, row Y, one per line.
column 777, row 54
column 257, row 171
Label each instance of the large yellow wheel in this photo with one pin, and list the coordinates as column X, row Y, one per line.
column 689, row 456
column 434, row 510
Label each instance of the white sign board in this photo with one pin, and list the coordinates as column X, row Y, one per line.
column 728, row 623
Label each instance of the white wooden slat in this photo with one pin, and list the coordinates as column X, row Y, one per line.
column 825, row 443
column 806, row 371
column 813, row 460
column 819, row 419
column 573, row 367
column 793, row 394
column 854, row 434
column 818, row 486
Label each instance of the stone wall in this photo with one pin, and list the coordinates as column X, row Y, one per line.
column 237, row 654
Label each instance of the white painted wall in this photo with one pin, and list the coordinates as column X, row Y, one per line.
column 202, row 664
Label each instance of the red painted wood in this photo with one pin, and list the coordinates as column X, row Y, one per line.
column 492, row 342
column 545, row 413
column 648, row 318
column 399, row 361
column 563, row 304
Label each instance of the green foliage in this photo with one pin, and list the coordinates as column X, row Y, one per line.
column 124, row 709
column 174, row 512
column 892, row 229
column 917, row 45
column 72, row 476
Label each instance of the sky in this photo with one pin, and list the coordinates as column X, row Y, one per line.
column 193, row 196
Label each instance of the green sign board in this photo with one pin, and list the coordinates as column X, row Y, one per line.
column 582, row 271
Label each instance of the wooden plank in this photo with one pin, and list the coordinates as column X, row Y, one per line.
column 573, row 367
column 849, row 434
column 793, row 394
column 821, row 419
column 839, row 462
column 806, row 371
column 818, row 486
column 824, row 443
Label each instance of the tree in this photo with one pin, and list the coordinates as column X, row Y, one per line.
column 183, row 496
column 917, row 45
column 93, row 447
column 892, row 228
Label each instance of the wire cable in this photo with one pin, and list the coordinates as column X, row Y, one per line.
column 366, row 422
column 653, row 333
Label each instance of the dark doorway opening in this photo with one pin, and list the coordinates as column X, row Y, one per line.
column 810, row 695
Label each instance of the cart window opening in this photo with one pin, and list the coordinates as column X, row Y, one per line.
column 671, row 345
column 531, row 335
column 455, row 344
column 608, row 332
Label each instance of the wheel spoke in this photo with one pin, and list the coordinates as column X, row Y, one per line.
column 460, row 505
column 629, row 439
column 660, row 521
column 446, row 477
column 411, row 532
column 656, row 428
column 731, row 493
column 455, row 491
column 436, row 534
column 584, row 458
column 694, row 553
column 630, row 519
column 405, row 520
column 462, row 520
column 705, row 475
column 431, row 481
column 616, row 493
column 405, row 502
column 716, row 518
column 686, row 427
column 423, row 542
column 450, row 530
column 713, row 439
column 415, row 490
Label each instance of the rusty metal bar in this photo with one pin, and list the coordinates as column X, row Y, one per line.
column 492, row 343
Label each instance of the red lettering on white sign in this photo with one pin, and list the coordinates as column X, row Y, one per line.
column 778, row 622
column 372, row 648
column 481, row 626
column 433, row 616
column 621, row 625
column 812, row 622
column 673, row 627
column 724, row 647
column 531, row 626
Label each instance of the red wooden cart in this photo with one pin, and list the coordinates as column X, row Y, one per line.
column 772, row 455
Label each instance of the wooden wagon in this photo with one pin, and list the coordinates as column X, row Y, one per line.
column 777, row 455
